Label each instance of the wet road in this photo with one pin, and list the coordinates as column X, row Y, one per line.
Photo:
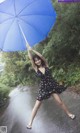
column 50, row 117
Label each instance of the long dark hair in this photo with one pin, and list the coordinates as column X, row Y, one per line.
column 42, row 62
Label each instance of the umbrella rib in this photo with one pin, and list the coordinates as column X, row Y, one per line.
column 6, row 13
column 38, row 15
column 34, row 27
column 6, row 20
column 6, row 34
column 14, row 7
column 26, row 6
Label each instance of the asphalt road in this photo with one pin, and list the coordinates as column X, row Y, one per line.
column 50, row 117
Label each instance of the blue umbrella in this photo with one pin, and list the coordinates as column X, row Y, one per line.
column 24, row 20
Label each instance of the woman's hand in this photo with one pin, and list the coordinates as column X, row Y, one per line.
column 29, row 48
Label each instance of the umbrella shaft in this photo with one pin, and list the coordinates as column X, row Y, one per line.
column 27, row 44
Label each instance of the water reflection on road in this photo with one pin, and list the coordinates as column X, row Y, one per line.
column 50, row 118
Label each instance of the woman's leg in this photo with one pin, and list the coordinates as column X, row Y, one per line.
column 64, row 107
column 34, row 112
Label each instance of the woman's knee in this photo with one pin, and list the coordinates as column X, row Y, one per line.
column 38, row 103
column 60, row 103
column 58, row 99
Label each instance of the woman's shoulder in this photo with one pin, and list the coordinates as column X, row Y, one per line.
column 47, row 67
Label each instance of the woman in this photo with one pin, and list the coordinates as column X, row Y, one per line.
column 48, row 86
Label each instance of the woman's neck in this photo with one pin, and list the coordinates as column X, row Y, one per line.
column 41, row 66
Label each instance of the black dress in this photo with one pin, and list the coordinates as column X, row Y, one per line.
column 48, row 85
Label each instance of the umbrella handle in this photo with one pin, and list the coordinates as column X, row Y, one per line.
column 27, row 44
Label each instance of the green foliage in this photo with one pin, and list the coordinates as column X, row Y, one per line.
column 8, row 79
column 73, row 75
column 18, row 69
column 4, row 91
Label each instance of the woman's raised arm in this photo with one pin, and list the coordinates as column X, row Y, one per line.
column 30, row 57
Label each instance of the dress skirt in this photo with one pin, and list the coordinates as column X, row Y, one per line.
column 48, row 85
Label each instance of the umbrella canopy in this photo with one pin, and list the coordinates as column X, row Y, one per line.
column 2, row 1
column 33, row 18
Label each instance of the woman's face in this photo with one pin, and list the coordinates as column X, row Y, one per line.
column 37, row 61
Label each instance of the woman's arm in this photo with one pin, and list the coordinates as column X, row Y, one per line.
column 41, row 57
column 30, row 57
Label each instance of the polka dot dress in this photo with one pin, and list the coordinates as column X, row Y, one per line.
column 48, row 85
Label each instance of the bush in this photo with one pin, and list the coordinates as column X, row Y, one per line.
column 8, row 79
column 73, row 75
column 4, row 91
column 69, row 76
